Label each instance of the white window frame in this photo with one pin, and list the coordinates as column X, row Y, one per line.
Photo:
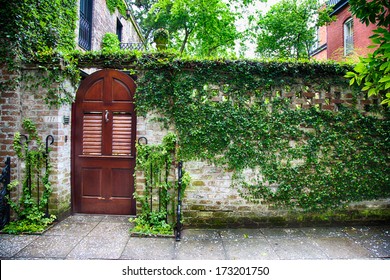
column 348, row 37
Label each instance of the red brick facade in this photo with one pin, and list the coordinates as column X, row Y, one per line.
column 333, row 36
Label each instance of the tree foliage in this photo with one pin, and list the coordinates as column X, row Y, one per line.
column 145, row 21
column 288, row 29
column 372, row 73
column 196, row 27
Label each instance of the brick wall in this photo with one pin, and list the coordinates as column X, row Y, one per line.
column 103, row 22
column 213, row 199
column 26, row 102
column 9, row 114
column 210, row 201
column 335, row 36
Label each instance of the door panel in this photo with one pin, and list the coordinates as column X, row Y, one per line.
column 120, row 176
column 91, row 179
column 104, row 144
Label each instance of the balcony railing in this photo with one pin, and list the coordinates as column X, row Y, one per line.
column 132, row 46
column 85, row 32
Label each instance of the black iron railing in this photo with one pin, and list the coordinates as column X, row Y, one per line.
column 157, row 195
column 153, row 183
column 5, row 179
column 84, row 32
column 39, row 187
column 132, row 46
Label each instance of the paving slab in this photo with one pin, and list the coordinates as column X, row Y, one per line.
column 297, row 249
column 49, row 247
column 70, row 228
column 200, row 234
column 81, row 218
column 249, row 249
column 287, row 233
column 374, row 239
column 107, row 237
column 10, row 245
column 200, row 250
column 342, row 248
column 116, row 219
column 324, row 232
column 98, row 247
column 241, row 233
column 111, row 229
column 149, row 249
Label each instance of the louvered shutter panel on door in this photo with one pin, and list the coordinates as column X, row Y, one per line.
column 121, row 134
column 92, row 134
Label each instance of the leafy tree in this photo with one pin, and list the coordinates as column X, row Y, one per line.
column 141, row 9
column 372, row 73
column 288, row 29
column 196, row 27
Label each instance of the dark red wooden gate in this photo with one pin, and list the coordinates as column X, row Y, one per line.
column 103, row 135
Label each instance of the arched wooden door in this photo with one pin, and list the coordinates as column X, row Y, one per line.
column 103, row 134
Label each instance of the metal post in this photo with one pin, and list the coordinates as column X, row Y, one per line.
column 151, row 188
column 178, row 214
column 28, row 165
column 38, row 178
column 47, row 164
column 165, row 190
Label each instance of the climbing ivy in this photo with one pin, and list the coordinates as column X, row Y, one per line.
column 233, row 114
column 226, row 112
column 155, row 161
column 32, row 29
column 31, row 213
column 116, row 4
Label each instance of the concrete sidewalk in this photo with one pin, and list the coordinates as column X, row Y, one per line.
column 107, row 237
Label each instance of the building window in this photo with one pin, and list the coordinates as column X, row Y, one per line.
column 348, row 37
column 119, row 28
column 85, row 29
column 316, row 43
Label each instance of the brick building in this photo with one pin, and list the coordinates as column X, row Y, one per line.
column 95, row 20
column 345, row 37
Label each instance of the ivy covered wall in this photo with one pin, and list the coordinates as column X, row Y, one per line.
column 274, row 137
column 262, row 140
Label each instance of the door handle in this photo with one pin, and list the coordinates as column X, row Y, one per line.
column 106, row 116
